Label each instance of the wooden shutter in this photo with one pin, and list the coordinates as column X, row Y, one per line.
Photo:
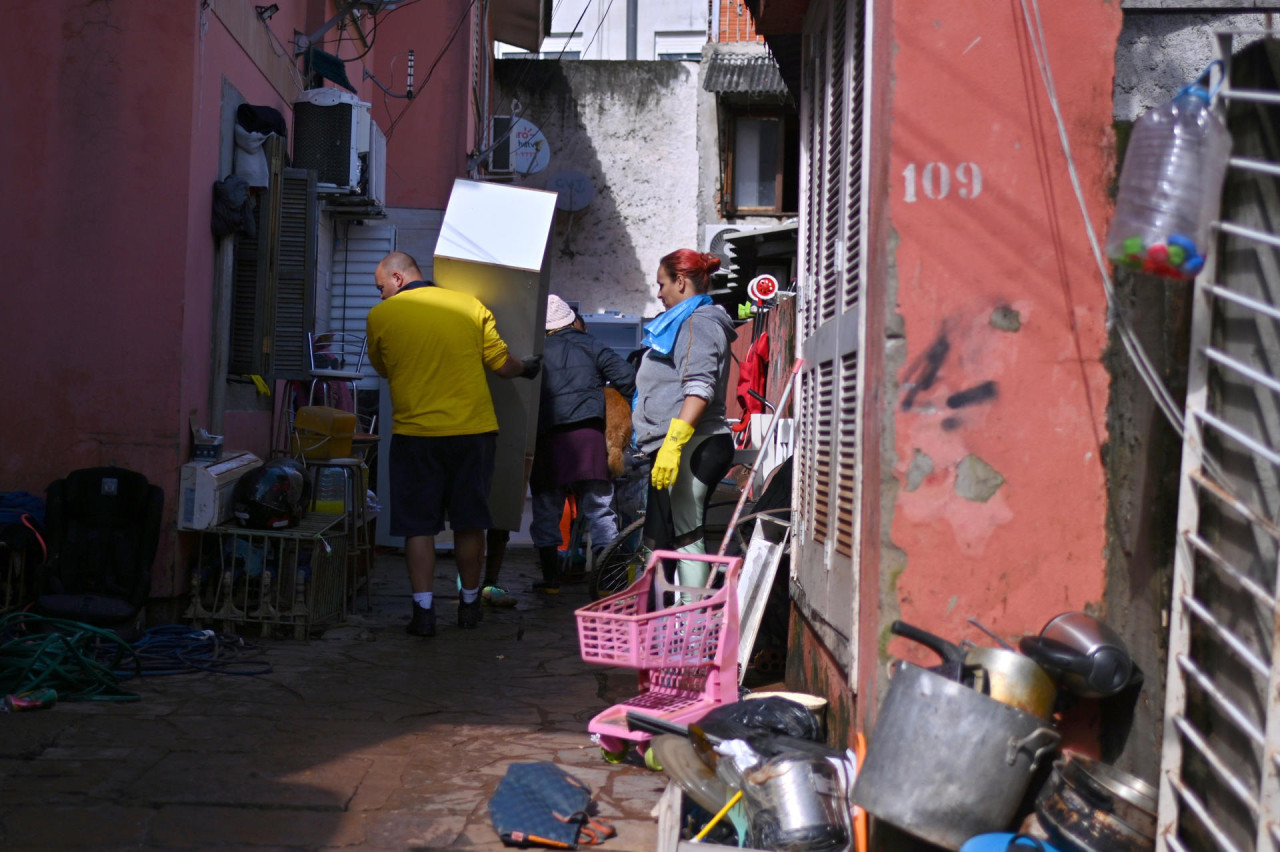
column 291, row 296
column 830, row 325
column 273, row 281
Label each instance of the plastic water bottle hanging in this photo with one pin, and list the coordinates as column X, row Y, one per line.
column 1171, row 185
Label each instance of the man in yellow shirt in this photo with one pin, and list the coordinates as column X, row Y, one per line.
column 433, row 347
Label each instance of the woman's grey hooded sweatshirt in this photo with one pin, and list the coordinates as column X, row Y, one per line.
column 698, row 365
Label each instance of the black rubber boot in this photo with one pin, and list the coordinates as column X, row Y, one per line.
column 549, row 559
column 423, row 622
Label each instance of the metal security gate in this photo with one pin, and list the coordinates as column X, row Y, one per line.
column 1219, row 785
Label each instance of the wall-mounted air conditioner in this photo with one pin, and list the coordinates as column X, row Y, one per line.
column 330, row 133
column 373, row 179
column 713, row 240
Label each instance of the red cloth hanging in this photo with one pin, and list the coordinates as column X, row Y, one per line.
column 752, row 373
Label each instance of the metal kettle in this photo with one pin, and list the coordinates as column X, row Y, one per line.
column 1086, row 656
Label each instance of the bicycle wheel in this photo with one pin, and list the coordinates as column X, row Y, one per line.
column 621, row 561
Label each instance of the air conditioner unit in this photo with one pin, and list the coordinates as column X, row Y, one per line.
column 330, row 132
column 500, row 138
column 713, row 240
column 373, row 174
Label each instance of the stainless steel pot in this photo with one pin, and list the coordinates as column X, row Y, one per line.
column 1088, row 806
column 1007, row 676
column 946, row 763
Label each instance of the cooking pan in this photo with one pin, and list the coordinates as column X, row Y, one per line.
column 1007, row 676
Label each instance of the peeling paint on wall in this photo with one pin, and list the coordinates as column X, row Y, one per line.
column 1006, row 318
column 920, row 467
column 976, row 480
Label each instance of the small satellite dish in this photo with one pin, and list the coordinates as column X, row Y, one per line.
column 763, row 288
column 530, row 152
column 575, row 190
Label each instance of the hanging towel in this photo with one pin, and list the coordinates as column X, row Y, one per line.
column 660, row 335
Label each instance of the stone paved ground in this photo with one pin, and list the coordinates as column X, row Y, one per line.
column 365, row 739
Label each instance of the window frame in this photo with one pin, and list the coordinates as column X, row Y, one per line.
column 787, row 123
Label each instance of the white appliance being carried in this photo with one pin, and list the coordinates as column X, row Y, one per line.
column 206, row 488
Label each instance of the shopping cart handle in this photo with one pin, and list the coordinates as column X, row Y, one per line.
column 654, row 725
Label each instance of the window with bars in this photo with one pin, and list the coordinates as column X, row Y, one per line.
column 829, row 325
column 1220, row 773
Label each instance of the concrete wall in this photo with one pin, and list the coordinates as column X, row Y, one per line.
column 630, row 128
column 1159, row 53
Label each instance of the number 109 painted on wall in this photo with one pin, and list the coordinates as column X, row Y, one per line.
column 935, row 181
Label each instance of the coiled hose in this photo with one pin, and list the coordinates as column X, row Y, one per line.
column 86, row 663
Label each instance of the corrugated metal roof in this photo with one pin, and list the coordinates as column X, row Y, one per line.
column 754, row 74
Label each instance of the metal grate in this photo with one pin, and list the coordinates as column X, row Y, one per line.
column 1218, row 782
column 293, row 578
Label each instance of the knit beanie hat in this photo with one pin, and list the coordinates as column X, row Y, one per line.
column 559, row 314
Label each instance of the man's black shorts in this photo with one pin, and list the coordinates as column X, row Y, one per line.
column 437, row 478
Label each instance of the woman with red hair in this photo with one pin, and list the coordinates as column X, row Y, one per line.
column 679, row 416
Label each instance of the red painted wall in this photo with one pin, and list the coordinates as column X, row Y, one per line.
column 113, row 148
column 427, row 138
column 96, row 240
column 1001, row 300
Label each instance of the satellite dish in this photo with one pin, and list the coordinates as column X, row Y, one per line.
column 575, row 190
column 530, row 152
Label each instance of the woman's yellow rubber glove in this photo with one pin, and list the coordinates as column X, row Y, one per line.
column 667, row 463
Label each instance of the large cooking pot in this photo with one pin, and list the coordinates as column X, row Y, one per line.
column 1088, row 806
column 1007, row 676
column 945, row 762
column 1086, row 656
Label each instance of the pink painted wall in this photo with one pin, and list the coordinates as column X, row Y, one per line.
column 968, row 270
column 427, row 146
column 113, row 149
column 96, row 241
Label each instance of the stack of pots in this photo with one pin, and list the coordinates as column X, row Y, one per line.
column 947, row 762
column 955, row 746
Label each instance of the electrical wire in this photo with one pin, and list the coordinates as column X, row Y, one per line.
column 177, row 649
column 518, row 114
column 81, row 662
column 1147, row 371
column 603, row 17
column 457, row 27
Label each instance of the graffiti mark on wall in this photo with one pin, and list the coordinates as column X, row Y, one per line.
column 926, row 368
column 923, row 374
column 972, row 396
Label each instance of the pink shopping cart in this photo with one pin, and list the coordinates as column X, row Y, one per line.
column 687, row 653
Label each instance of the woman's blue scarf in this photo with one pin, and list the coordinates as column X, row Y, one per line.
column 660, row 335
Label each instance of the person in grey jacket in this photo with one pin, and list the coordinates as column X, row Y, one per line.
column 679, row 415
column 570, row 453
